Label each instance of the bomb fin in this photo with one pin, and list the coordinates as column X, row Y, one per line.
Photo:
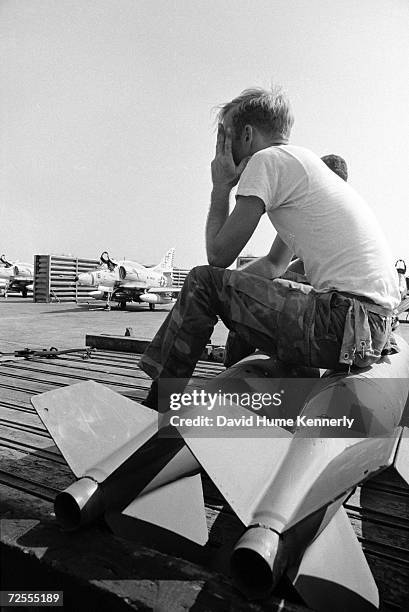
column 89, row 421
column 241, row 467
column 177, row 507
column 401, row 463
column 333, row 573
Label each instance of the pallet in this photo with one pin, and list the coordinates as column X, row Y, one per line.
column 99, row 571
column 129, row 344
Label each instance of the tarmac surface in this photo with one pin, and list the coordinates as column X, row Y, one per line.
column 24, row 323
column 95, row 570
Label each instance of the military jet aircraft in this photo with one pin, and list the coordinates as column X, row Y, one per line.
column 400, row 267
column 285, row 483
column 128, row 281
column 4, row 278
column 102, row 278
column 17, row 276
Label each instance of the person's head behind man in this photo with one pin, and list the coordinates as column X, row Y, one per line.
column 258, row 118
column 337, row 164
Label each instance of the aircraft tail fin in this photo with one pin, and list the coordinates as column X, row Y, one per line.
column 333, row 573
column 166, row 263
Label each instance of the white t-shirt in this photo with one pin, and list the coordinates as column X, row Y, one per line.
column 324, row 221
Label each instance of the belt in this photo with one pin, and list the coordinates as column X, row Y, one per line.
column 369, row 304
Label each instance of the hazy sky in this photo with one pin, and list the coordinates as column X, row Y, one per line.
column 106, row 122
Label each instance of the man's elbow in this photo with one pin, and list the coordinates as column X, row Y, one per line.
column 219, row 259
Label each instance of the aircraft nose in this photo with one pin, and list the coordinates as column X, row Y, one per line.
column 5, row 272
column 85, row 278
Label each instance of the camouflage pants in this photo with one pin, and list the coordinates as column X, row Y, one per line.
column 236, row 346
column 280, row 316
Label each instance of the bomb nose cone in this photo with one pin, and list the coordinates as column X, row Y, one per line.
column 257, row 562
column 85, row 278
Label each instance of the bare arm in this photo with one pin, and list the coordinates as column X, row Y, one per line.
column 226, row 235
column 274, row 263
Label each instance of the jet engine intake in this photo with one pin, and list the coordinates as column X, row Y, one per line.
column 128, row 273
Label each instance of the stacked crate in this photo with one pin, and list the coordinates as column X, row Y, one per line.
column 54, row 278
column 179, row 275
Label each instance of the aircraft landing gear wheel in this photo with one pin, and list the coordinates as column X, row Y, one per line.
column 151, row 306
column 24, row 292
column 122, row 305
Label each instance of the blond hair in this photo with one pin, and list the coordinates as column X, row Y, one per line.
column 268, row 110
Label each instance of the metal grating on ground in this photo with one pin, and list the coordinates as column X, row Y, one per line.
column 109, row 569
